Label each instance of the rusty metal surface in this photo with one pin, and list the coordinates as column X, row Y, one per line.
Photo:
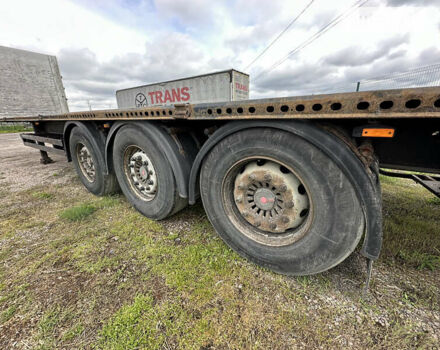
column 402, row 103
column 268, row 199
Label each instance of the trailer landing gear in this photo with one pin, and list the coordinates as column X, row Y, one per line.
column 369, row 273
column 45, row 159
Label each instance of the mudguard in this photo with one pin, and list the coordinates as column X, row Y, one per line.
column 180, row 161
column 94, row 134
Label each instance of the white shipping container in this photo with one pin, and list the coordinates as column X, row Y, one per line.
column 224, row 86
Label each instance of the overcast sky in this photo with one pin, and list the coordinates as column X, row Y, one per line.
column 105, row 45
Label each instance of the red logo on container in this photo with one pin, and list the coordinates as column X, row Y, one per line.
column 241, row 87
column 169, row 96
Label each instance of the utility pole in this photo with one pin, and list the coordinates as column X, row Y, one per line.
column 358, row 86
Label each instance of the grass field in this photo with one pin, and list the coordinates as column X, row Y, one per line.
column 79, row 271
column 6, row 129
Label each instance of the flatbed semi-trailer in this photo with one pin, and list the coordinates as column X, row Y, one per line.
column 290, row 183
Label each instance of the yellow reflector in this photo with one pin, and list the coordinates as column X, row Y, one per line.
column 378, row 132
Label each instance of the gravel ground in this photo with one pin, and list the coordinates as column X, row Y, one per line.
column 20, row 167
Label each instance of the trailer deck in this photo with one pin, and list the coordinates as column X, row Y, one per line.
column 401, row 103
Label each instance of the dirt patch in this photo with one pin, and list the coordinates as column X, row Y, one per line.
column 20, row 167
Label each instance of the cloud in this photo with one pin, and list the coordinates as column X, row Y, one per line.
column 106, row 45
column 189, row 14
column 294, row 78
column 418, row 3
column 305, row 78
column 252, row 36
column 167, row 57
column 358, row 56
column 76, row 62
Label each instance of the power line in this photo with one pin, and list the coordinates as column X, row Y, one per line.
column 279, row 35
column 315, row 36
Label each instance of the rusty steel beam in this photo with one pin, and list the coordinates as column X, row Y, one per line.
column 402, row 103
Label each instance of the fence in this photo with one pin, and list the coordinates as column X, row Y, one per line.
column 419, row 77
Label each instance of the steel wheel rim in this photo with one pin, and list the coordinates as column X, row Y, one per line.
column 249, row 204
column 140, row 173
column 86, row 162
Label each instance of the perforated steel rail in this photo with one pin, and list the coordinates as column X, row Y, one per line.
column 402, row 103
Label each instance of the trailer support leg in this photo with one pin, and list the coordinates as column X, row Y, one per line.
column 45, row 159
column 369, row 273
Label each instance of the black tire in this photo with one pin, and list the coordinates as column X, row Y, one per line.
column 336, row 221
column 166, row 201
column 101, row 184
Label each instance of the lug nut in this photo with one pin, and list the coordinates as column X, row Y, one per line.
column 267, row 177
column 136, row 183
column 289, row 204
column 241, row 186
column 252, row 177
column 142, row 188
column 148, row 188
column 284, row 219
column 139, row 158
column 150, row 182
column 131, row 165
column 283, row 188
column 273, row 226
column 245, row 214
column 239, row 199
column 150, row 172
column 145, row 163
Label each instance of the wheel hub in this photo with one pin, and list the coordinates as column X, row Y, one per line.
column 270, row 197
column 86, row 163
column 142, row 174
column 143, row 171
column 265, row 199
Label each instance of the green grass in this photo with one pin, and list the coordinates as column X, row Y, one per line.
column 42, row 195
column 88, row 272
column 48, row 322
column 79, row 212
column 411, row 224
column 6, row 129
column 73, row 332
column 46, row 329
column 8, row 313
column 140, row 324
column 84, row 210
